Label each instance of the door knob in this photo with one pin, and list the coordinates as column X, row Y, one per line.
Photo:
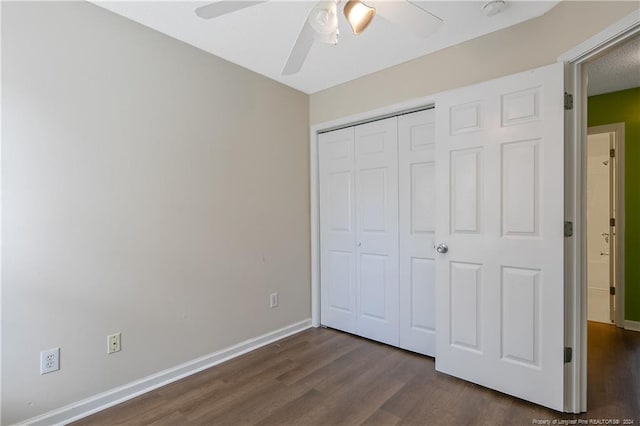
column 442, row 248
column 359, row 244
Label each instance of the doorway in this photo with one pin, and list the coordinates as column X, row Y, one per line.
column 611, row 89
column 602, row 207
column 579, row 83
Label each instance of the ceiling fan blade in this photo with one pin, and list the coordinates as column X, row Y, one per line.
column 300, row 50
column 408, row 16
column 223, row 7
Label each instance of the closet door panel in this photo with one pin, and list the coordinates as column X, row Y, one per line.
column 416, row 139
column 337, row 230
column 376, row 178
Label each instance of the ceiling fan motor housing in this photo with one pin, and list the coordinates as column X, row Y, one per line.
column 324, row 21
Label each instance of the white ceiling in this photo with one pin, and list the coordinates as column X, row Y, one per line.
column 260, row 37
column 617, row 70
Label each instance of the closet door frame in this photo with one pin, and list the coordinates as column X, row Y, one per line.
column 315, row 130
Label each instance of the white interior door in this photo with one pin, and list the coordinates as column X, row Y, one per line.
column 376, row 151
column 599, row 235
column 500, row 287
column 337, row 229
column 416, row 165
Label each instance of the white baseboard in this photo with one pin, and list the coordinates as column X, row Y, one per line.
column 86, row 407
column 632, row 325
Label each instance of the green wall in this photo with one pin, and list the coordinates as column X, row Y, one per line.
column 617, row 107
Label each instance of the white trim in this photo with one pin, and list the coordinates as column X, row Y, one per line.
column 573, row 338
column 632, row 325
column 423, row 102
column 575, row 267
column 1, row 211
column 86, row 407
column 314, row 184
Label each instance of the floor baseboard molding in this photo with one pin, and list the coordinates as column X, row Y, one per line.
column 632, row 325
column 99, row 402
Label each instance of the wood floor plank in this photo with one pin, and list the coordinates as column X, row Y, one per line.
column 234, row 393
column 295, row 412
column 127, row 412
column 260, row 405
column 233, row 405
column 326, row 377
column 172, row 419
column 381, row 417
column 321, row 356
column 356, row 400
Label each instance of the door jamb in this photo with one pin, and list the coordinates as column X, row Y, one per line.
column 575, row 205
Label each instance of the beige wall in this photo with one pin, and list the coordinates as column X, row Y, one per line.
column 147, row 188
column 528, row 45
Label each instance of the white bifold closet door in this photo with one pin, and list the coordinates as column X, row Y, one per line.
column 416, row 136
column 337, row 230
column 376, row 230
column 376, row 151
column 359, row 230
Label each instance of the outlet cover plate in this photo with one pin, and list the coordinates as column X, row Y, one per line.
column 113, row 343
column 49, row 360
column 274, row 300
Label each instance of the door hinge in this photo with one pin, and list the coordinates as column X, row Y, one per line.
column 568, row 229
column 612, row 221
column 568, row 354
column 612, row 153
column 568, row 101
column 612, row 291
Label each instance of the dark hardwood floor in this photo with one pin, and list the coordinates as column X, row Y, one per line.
column 326, row 377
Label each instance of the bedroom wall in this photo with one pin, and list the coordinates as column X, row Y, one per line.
column 624, row 107
column 531, row 44
column 148, row 188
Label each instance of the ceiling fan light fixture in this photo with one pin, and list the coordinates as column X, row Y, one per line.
column 324, row 21
column 324, row 17
column 359, row 15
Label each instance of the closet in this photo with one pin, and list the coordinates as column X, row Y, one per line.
column 377, row 203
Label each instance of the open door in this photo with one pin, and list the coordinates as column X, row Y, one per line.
column 499, row 231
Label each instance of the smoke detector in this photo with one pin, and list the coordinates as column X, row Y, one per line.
column 494, row 7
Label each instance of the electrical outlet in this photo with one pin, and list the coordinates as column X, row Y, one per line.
column 273, row 300
column 113, row 343
column 49, row 360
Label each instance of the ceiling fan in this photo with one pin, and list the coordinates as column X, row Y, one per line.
column 321, row 23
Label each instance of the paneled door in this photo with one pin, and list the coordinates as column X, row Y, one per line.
column 337, row 235
column 376, row 151
column 416, row 150
column 359, row 230
column 500, row 284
